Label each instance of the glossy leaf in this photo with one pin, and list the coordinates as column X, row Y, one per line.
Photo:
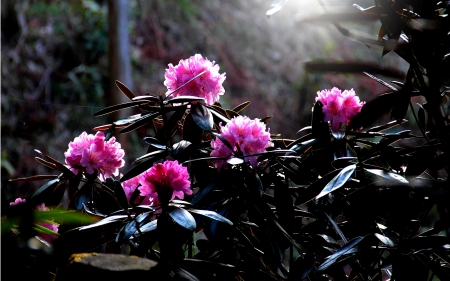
column 241, row 107
column 183, row 218
column 154, row 142
column 385, row 240
column 130, row 228
column 202, row 116
column 396, row 178
column 44, row 187
column 35, row 178
column 339, row 253
column 302, row 266
column 211, row 214
column 139, row 168
column 183, row 99
column 202, row 192
column 140, row 122
column 338, row 181
column 124, row 89
column 104, row 221
column 120, row 106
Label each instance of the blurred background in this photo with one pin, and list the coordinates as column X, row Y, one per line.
column 58, row 59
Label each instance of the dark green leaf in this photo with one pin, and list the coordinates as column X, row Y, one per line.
column 179, row 150
column 63, row 216
column 223, row 140
column 386, row 126
column 338, row 181
column 154, row 142
column 183, row 218
column 385, row 240
column 241, row 107
column 440, row 271
column 116, row 107
column 155, row 155
column 104, row 221
column 131, row 227
column 43, row 188
column 202, row 116
column 83, row 195
column 235, row 161
column 339, row 253
column 315, row 188
column 140, row 122
column 211, row 214
column 139, row 169
column 388, row 175
column 110, row 131
column 35, row 178
column 147, row 97
column 202, row 192
column 182, row 99
column 381, row 82
column 124, row 89
column 147, row 227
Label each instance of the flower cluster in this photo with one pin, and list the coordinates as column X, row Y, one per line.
column 47, row 224
column 169, row 179
column 339, row 107
column 243, row 134
column 94, row 153
column 207, row 86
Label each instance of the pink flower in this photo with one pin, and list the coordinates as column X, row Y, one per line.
column 17, row 202
column 207, row 86
column 47, row 224
column 93, row 153
column 130, row 186
column 244, row 135
column 339, row 107
column 166, row 178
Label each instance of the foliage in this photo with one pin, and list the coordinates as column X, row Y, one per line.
column 344, row 206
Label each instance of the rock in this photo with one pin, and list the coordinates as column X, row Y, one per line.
column 92, row 266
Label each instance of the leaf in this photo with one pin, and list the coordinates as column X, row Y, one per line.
column 315, row 188
column 138, row 169
column 182, row 99
column 183, row 218
column 42, row 229
column 202, row 116
column 147, row 97
column 211, row 214
column 339, row 253
column 63, row 216
column 116, row 107
column 338, row 181
column 130, row 228
column 387, row 85
column 140, row 122
column 124, row 89
column 43, row 188
column 110, row 132
column 147, row 227
column 104, row 221
column 388, row 175
column 241, row 107
column 223, row 140
column 154, row 142
column 83, row 195
column 179, row 150
column 35, row 178
column 385, row 240
column 202, row 192
column 373, row 110
column 152, row 155
column 441, row 272
column 59, row 165
column 386, row 126
column 302, row 266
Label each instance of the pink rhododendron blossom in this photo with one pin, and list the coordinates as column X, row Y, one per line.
column 165, row 177
column 47, row 224
column 245, row 135
column 93, row 153
column 207, row 86
column 339, row 107
column 129, row 186
column 17, row 202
